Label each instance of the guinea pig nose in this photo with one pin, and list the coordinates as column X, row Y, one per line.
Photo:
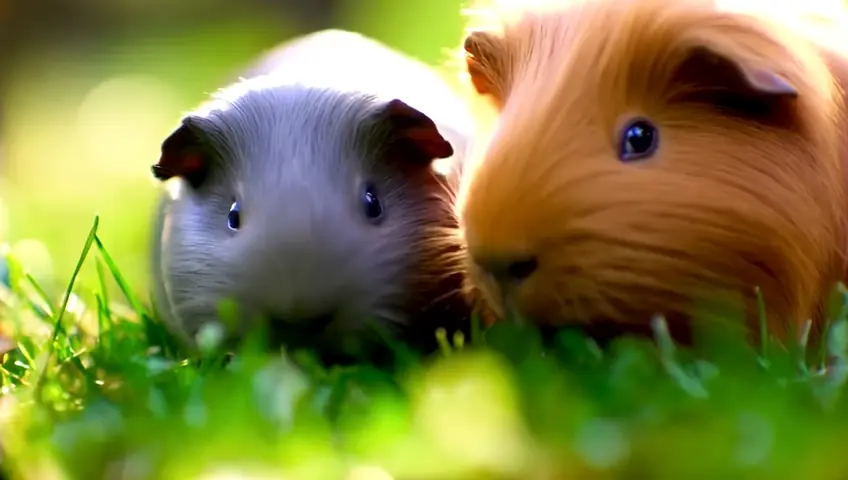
column 511, row 270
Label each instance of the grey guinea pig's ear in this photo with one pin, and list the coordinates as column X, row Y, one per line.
column 414, row 133
column 183, row 155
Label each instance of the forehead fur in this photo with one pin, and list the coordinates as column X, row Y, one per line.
column 268, row 120
column 592, row 49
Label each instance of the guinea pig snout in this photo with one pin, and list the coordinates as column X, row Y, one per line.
column 307, row 325
column 508, row 272
column 298, row 279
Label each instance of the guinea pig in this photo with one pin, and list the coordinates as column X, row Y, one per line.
column 310, row 195
column 657, row 157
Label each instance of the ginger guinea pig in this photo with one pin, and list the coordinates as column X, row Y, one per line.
column 656, row 157
column 310, row 197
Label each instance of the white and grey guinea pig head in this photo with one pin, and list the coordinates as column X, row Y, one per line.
column 317, row 209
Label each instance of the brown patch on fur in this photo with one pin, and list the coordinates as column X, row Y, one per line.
column 746, row 189
column 435, row 287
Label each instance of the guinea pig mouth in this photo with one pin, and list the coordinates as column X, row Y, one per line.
column 300, row 328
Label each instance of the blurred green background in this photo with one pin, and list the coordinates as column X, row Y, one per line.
column 90, row 88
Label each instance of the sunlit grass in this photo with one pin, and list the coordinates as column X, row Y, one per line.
column 93, row 387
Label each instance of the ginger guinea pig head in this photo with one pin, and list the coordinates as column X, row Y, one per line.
column 315, row 208
column 652, row 157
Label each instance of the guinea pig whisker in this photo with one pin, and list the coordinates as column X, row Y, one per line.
column 390, row 316
column 440, row 298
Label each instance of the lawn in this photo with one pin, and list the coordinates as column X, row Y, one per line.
column 93, row 388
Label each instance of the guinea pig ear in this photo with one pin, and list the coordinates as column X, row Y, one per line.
column 735, row 84
column 183, row 155
column 414, row 133
column 485, row 60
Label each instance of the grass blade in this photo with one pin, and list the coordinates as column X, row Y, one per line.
column 57, row 321
column 119, row 279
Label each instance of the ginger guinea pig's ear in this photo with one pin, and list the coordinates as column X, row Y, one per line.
column 485, row 60
column 737, row 86
column 413, row 135
column 183, row 155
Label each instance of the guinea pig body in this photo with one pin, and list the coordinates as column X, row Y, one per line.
column 310, row 197
column 657, row 157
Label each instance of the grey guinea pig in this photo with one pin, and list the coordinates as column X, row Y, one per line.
column 318, row 194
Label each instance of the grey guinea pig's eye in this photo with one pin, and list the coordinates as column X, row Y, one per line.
column 233, row 217
column 639, row 140
column 371, row 205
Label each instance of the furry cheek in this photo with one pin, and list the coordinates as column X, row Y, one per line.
column 484, row 293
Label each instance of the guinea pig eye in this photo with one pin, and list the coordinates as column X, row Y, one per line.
column 638, row 140
column 371, row 203
column 233, row 217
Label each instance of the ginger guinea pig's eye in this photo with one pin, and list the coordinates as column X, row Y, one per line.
column 371, row 206
column 233, row 217
column 639, row 140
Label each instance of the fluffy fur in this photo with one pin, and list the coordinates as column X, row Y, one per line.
column 294, row 149
column 746, row 189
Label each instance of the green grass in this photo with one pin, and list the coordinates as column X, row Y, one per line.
column 96, row 390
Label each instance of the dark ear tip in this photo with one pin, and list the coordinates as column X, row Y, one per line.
column 445, row 150
column 417, row 130
column 396, row 103
column 397, row 108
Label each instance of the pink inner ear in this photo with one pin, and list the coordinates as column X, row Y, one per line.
column 192, row 163
column 768, row 82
